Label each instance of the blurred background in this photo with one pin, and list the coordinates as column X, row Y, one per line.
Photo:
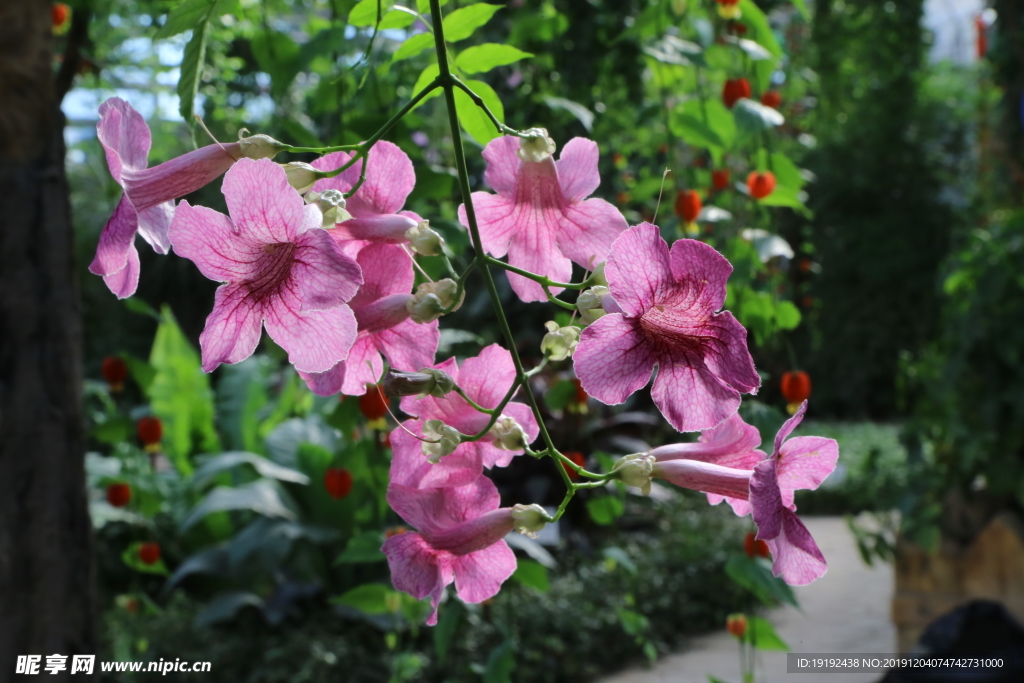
column 883, row 280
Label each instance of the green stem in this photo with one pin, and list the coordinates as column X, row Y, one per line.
column 321, row 150
column 542, row 280
column 447, row 82
column 558, row 302
column 495, row 412
column 478, row 101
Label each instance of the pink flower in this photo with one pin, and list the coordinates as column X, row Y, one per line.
column 147, row 204
column 668, row 300
column 485, row 379
column 541, row 216
column 459, row 539
column 802, row 462
column 280, row 267
column 376, row 204
column 731, row 444
column 384, row 326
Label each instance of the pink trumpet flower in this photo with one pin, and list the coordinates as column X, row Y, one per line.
column 281, row 269
column 668, row 319
column 802, row 462
column 147, row 205
column 459, row 539
column 485, row 379
column 376, row 205
column 541, row 216
column 384, row 326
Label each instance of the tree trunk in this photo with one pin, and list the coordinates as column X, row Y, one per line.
column 47, row 595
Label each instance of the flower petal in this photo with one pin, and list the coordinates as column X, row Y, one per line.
column 795, row 555
column 788, row 426
column 263, row 206
column 702, row 271
column 577, row 169
column 502, row 164
column 689, row 395
column 389, row 179
column 479, row 575
column 409, row 467
column 124, row 135
column 116, row 240
column 804, row 462
column 232, row 329
column 638, row 270
column 588, row 230
column 155, row 226
column 766, row 501
column 179, row 176
column 387, row 269
column 409, row 346
column 613, row 359
column 486, row 377
column 726, row 353
column 498, row 213
column 363, row 366
column 326, row 278
column 741, row 508
column 315, row 340
column 326, row 383
column 124, row 282
column 208, row 239
column 417, row 569
column 534, row 250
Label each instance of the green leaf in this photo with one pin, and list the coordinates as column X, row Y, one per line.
column 225, row 606
column 423, row 6
column 188, row 15
column 500, row 664
column 532, row 574
column 712, row 679
column 801, row 7
column 786, row 172
column 265, row 468
column 677, row 52
column 708, row 124
column 113, row 430
column 461, row 23
column 758, row 579
column 473, row 119
column 362, row 549
column 445, row 629
column 559, row 396
column 130, row 556
column 192, row 70
column 279, row 56
column 398, row 17
column 180, row 395
column 753, row 117
column 261, row 497
column 755, row 51
column 754, row 18
column 788, row 197
column 761, row 634
column 241, row 397
column 483, row 58
column 371, row 598
column 365, row 12
column 787, row 315
column 210, row 561
column 141, row 371
column 412, row 46
column 693, row 131
column 633, row 623
column 137, row 305
column 582, row 114
column 426, row 77
column 605, row 510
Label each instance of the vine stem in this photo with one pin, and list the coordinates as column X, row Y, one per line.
column 448, row 83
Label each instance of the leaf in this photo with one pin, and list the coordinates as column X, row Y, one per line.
column 225, row 606
column 693, row 131
column 412, row 46
column 761, row 634
column 461, row 23
column 786, row 196
column 605, row 510
column 188, row 15
column 483, row 58
column 423, row 6
column 137, row 305
column 266, row 543
column 614, row 555
column 261, row 497
column 787, row 315
column 362, row 549
column 241, row 396
column 758, row 579
column 582, row 114
column 500, row 664
column 230, row 460
column 786, row 172
column 130, row 557
column 279, row 56
column 559, row 396
column 209, row 561
column 180, row 395
column 283, row 443
column 801, row 7
column 753, row 117
column 426, row 77
column 398, row 17
column 192, row 62
column 754, row 51
column 532, row 548
column 365, row 12
column 445, row 629
column 473, row 119
column 677, row 52
column 532, row 574
column 371, row 598
column 754, row 18
column 141, row 371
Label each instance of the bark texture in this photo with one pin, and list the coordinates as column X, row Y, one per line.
column 47, row 595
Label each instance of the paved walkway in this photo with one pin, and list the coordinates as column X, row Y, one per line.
column 845, row 611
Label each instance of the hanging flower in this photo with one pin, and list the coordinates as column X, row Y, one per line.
column 734, row 90
column 760, row 184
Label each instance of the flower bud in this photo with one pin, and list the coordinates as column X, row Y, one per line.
column 433, row 299
column 259, row 146
column 424, row 240
column 560, row 342
column 635, row 470
column 442, row 440
column 509, row 434
column 590, row 303
column 537, row 147
column 529, row 519
column 332, row 205
column 426, row 382
column 736, row 624
column 301, row 176
column 598, row 277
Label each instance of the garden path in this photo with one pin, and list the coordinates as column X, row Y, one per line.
column 846, row 611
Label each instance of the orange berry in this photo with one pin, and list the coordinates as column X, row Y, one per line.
column 119, row 494
column 736, row 624
column 59, row 14
column 688, row 205
column 734, row 90
column 796, row 386
column 149, row 553
column 761, row 184
column 771, row 98
column 720, row 179
column 150, row 431
column 338, row 482
column 754, row 547
column 374, row 404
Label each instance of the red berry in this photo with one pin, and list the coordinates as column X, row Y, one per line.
column 796, row 386
column 581, row 394
column 374, row 404
column 727, row 3
column 688, row 205
column 149, row 553
column 771, row 98
column 734, row 90
column 720, row 179
column 338, row 482
column 150, row 431
column 736, row 624
column 761, row 184
column 59, row 13
column 114, row 372
column 754, row 547
column 119, row 494
column 577, row 459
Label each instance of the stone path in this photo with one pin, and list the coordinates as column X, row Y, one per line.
column 845, row 611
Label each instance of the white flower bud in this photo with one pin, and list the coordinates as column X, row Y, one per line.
column 560, row 342
column 509, row 435
column 332, row 205
column 259, row 146
column 425, row 240
column 590, row 303
column 529, row 519
column 598, row 277
column 635, row 470
column 301, row 175
column 537, row 147
column 432, row 299
column 442, row 440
